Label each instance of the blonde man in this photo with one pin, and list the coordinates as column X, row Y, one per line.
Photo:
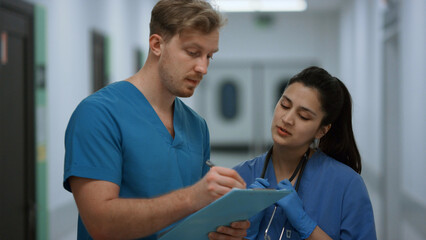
column 135, row 154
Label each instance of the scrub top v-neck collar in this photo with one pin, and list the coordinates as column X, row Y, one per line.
column 159, row 125
column 307, row 175
column 270, row 171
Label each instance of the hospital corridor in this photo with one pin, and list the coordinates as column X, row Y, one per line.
column 55, row 53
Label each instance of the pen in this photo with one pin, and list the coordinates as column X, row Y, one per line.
column 209, row 163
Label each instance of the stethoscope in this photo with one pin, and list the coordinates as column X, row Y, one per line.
column 300, row 167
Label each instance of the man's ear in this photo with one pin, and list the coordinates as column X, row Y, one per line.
column 155, row 43
column 322, row 131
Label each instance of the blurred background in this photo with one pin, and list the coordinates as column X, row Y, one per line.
column 54, row 53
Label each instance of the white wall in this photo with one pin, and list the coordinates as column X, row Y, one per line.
column 413, row 114
column 394, row 169
column 291, row 36
column 413, row 72
column 361, row 70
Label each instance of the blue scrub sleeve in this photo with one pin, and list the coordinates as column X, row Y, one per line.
column 357, row 216
column 92, row 145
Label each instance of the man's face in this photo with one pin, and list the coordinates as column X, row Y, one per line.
column 184, row 61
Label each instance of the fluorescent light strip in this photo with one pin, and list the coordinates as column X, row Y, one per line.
column 261, row 5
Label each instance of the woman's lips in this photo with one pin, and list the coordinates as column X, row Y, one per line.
column 283, row 132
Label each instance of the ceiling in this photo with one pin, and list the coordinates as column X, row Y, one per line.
column 317, row 5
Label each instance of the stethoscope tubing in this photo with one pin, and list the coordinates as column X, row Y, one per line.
column 300, row 166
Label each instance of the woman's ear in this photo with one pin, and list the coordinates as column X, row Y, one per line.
column 155, row 42
column 322, row 131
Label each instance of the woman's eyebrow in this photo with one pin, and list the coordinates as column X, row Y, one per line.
column 308, row 110
column 302, row 108
column 286, row 98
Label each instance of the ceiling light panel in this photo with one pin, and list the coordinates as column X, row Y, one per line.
column 260, row 5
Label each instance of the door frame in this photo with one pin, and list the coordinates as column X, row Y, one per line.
column 27, row 10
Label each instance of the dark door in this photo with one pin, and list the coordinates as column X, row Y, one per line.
column 100, row 78
column 17, row 154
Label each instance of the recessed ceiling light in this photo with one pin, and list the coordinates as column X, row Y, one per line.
column 260, row 5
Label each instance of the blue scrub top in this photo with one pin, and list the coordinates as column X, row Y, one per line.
column 115, row 135
column 333, row 195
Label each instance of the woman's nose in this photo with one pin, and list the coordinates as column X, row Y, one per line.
column 288, row 118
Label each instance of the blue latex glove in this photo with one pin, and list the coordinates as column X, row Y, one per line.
column 255, row 221
column 293, row 208
column 259, row 183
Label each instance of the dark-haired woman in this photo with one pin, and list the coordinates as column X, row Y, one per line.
column 314, row 154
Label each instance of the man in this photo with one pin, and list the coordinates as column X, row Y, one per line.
column 135, row 154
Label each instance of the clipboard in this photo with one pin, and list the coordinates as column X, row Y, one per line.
column 236, row 205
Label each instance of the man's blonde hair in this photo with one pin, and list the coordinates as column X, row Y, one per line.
column 170, row 17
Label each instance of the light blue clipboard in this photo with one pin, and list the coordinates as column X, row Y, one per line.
column 236, row 205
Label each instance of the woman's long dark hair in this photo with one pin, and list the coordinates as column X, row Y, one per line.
column 336, row 102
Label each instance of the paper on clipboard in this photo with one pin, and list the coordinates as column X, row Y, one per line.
column 236, row 205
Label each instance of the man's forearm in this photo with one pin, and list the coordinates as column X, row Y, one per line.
column 122, row 218
column 106, row 216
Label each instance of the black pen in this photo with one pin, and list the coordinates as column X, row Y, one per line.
column 209, row 163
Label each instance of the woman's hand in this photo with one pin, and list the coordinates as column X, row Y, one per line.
column 293, row 208
column 259, row 183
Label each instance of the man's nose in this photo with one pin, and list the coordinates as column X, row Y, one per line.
column 202, row 65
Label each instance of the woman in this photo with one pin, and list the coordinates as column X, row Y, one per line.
column 315, row 155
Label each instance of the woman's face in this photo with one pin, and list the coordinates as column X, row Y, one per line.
column 297, row 117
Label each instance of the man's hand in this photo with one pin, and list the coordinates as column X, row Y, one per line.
column 237, row 231
column 216, row 183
